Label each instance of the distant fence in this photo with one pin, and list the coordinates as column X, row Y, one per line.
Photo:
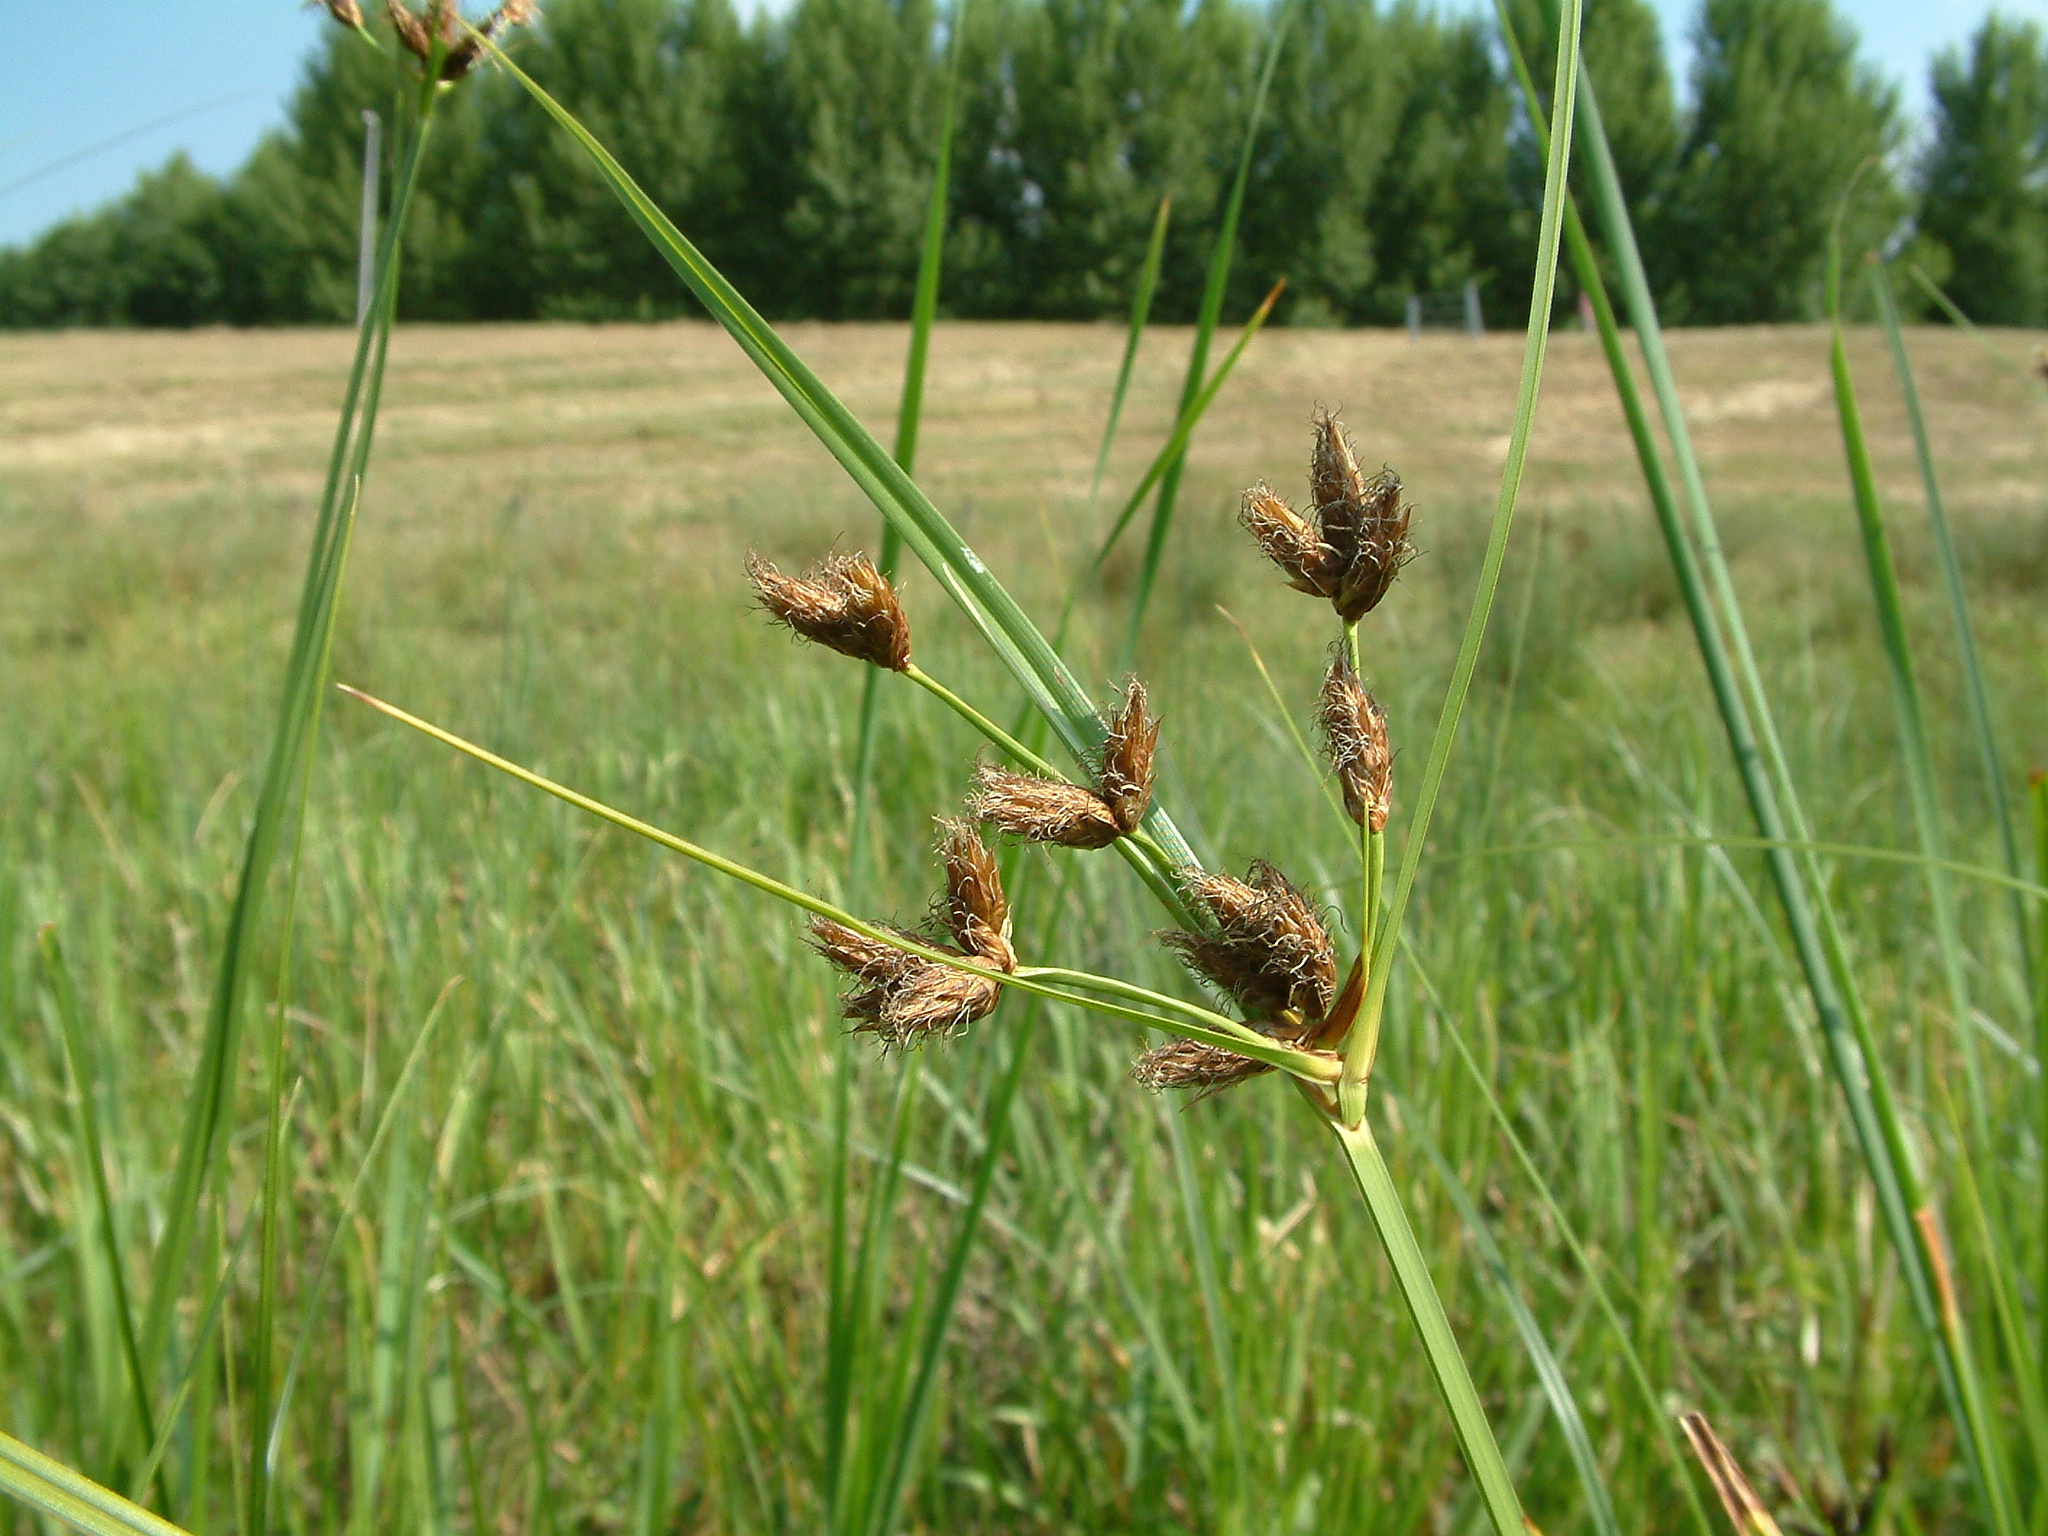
column 1453, row 311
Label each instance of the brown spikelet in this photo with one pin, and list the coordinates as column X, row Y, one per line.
column 1269, row 949
column 1382, row 550
column 902, row 998
column 442, row 24
column 1338, row 486
column 347, row 12
column 1355, row 734
column 1042, row 810
column 1124, row 775
column 1190, row 1064
column 1287, row 539
column 842, row 603
column 975, row 910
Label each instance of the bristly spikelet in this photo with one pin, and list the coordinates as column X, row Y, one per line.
column 1124, row 773
column 1355, row 734
column 1288, row 540
column 974, row 909
column 842, row 603
column 1338, row 486
column 1041, row 810
column 347, row 12
column 1383, row 548
column 901, row 998
column 1269, row 949
column 1190, row 1064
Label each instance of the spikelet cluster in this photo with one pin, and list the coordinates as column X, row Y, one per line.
column 904, row 999
column 439, row 26
column 1042, row 810
column 1266, row 946
column 1358, row 541
column 843, row 603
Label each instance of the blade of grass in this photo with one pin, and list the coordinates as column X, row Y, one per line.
column 1364, row 1036
column 209, row 1106
column 1980, row 1426
column 987, row 605
column 909, row 412
column 1968, row 327
column 1975, row 694
column 1141, row 313
column 1914, row 752
column 80, row 1062
column 909, row 1429
column 1810, row 916
column 41, row 1483
column 1211, row 311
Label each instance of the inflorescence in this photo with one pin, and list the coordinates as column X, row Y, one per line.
column 1259, row 942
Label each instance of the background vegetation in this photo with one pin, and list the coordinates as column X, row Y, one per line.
column 579, row 1289
column 796, row 151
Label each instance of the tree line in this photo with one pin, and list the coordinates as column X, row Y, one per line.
column 1393, row 158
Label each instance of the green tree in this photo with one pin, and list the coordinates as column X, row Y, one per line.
column 1783, row 117
column 1985, row 177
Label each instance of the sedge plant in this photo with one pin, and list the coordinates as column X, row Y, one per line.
column 1258, row 941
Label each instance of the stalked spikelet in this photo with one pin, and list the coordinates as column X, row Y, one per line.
column 1383, row 548
column 1290, row 542
column 902, row 998
column 1339, row 489
column 843, row 603
column 1269, row 949
column 1189, row 1064
column 974, row 909
column 1355, row 734
column 1124, row 774
column 1041, row 810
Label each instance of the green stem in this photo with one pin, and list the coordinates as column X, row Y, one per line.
column 1176, row 1017
column 1426, row 1310
column 1564, row 96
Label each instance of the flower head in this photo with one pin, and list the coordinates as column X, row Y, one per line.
column 975, row 910
column 1042, row 810
column 440, row 26
column 1267, row 948
column 842, row 603
column 902, row 998
column 1123, row 775
column 1359, row 539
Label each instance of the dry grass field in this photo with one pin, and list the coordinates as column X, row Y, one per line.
column 602, row 1314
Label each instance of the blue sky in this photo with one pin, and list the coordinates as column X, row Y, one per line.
column 74, row 75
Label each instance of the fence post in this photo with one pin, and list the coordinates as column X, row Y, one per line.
column 1474, row 322
column 366, row 253
column 1414, row 316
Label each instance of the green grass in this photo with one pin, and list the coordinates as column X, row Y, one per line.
column 581, row 1284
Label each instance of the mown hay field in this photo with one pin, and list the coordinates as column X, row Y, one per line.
column 580, row 1285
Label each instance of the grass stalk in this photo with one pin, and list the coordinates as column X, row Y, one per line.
column 1968, row 327
column 1975, row 693
column 1141, row 312
column 1364, row 1038
column 1426, row 1311
column 80, row 1061
column 1206, row 318
column 910, row 410
column 209, row 1107
column 1915, row 753
column 1732, row 673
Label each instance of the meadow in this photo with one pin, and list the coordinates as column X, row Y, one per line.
column 579, row 1286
